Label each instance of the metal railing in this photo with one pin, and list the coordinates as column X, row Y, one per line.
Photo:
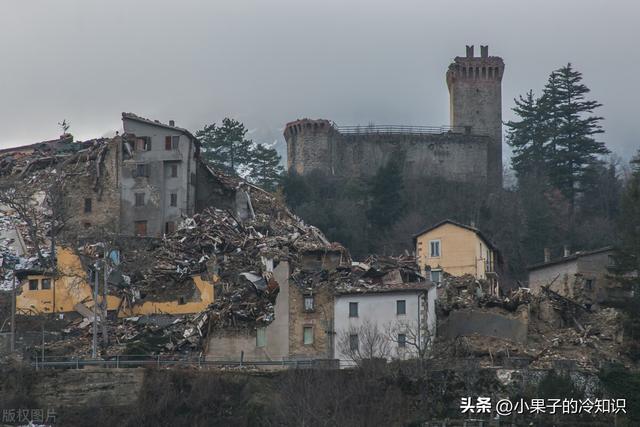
column 136, row 361
column 398, row 130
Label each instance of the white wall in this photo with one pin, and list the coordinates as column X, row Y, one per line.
column 380, row 309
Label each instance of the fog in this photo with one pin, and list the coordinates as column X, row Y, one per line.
column 269, row 62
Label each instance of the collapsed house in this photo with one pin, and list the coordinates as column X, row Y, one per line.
column 524, row 329
column 582, row 276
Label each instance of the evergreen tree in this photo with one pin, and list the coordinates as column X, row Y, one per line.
column 386, row 195
column 264, row 167
column 226, row 147
column 528, row 137
column 571, row 129
column 627, row 254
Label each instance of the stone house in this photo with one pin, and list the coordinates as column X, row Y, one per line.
column 582, row 276
column 457, row 249
column 158, row 173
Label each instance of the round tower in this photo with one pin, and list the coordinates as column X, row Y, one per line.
column 475, row 101
column 309, row 146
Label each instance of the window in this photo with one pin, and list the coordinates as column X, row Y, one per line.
column 308, row 303
column 141, row 228
column 87, row 205
column 174, row 171
column 169, row 227
column 436, row 276
column 402, row 340
column 181, row 301
column 143, row 144
column 174, row 199
column 589, row 284
column 171, row 142
column 33, row 284
column 353, row 309
column 139, row 199
column 46, row 283
column 401, row 306
column 141, row 170
column 434, row 247
column 307, row 334
column 261, row 337
column 353, row 342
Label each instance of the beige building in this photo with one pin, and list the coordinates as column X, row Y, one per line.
column 457, row 249
column 582, row 276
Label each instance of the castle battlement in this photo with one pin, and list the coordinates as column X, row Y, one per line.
column 470, row 149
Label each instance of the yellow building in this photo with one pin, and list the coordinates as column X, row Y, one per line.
column 457, row 249
column 44, row 294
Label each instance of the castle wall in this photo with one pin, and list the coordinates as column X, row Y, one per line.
column 454, row 156
column 451, row 156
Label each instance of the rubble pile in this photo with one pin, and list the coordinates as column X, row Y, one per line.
column 376, row 273
column 560, row 331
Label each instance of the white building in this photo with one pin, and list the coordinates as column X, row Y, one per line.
column 391, row 323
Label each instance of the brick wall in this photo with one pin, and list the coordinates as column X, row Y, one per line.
column 320, row 319
column 102, row 190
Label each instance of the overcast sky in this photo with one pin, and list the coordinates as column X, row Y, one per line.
column 269, row 62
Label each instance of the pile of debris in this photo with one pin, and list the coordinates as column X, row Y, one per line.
column 376, row 273
column 560, row 331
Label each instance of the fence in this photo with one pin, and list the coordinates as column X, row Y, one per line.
column 398, row 130
column 136, row 361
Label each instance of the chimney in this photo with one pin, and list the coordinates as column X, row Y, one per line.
column 547, row 255
column 484, row 51
column 470, row 51
column 566, row 251
column 172, row 123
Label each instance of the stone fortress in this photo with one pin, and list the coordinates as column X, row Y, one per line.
column 469, row 150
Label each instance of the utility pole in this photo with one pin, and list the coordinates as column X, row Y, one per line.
column 94, row 346
column 105, row 336
column 44, row 318
column 13, row 313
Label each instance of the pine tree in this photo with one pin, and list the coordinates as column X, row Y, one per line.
column 571, row 129
column 264, row 167
column 627, row 254
column 528, row 137
column 226, row 147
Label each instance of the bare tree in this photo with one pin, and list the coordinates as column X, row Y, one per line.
column 364, row 343
column 21, row 200
column 416, row 341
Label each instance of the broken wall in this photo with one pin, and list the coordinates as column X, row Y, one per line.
column 70, row 287
column 211, row 191
column 101, row 187
column 560, row 276
column 484, row 323
column 230, row 343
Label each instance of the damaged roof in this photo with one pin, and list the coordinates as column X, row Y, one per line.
column 135, row 117
column 573, row 256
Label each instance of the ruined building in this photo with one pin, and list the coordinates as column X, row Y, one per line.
column 469, row 150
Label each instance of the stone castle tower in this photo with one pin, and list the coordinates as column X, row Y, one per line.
column 470, row 150
column 475, row 101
